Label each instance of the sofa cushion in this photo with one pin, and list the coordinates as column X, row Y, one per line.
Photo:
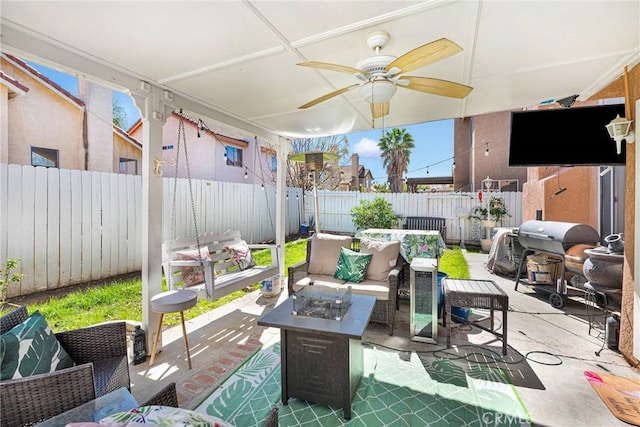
column 324, row 282
column 31, row 348
column 352, row 266
column 374, row 288
column 325, row 250
column 385, row 255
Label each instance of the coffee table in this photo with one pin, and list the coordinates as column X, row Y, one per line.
column 93, row 411
column 322, row 359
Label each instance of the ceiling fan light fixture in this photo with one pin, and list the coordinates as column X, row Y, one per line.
column 378, row 91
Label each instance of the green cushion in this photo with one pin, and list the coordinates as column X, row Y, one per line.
column 352, row 266
column 31, row 348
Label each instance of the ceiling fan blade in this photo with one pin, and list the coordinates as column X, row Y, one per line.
column 380, row 110
column 333, row 67
column 328, row 96
column 435, row 86
column 425, row 55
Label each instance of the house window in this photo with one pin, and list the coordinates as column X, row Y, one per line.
column 128, row 166
column 234, row 156
column 44, row 157
column 274, row 164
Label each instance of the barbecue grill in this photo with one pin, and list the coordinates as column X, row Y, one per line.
column 554, row 238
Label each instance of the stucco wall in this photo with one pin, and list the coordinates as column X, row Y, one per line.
column 578, row 203
column 628, row 279
column 4, row 130
column 98, row 100
column 43, row 118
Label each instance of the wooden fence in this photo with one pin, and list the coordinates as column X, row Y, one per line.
column 69, row 226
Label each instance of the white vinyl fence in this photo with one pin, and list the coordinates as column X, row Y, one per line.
column 69, row 226
column 335, row 210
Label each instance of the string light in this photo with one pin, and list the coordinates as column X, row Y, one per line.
column 246, row 174
column 486, row 150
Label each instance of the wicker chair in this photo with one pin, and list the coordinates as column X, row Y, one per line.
column 167, row 396
column 384, row 311
column 100, row 354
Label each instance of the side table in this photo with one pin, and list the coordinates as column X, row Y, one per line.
column 475, row 293
column 172, row 302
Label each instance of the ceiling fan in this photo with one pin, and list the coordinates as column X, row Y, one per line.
column 382, row 74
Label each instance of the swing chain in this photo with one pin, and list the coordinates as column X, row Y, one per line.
column 182, row 136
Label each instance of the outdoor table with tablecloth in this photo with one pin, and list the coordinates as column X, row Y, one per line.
column 413, row 243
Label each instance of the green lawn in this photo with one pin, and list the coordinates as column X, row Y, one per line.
column 122, row 300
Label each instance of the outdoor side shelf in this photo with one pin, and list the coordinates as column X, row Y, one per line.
column 475, row 293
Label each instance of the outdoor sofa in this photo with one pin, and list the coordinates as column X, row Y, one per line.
column 380, row 280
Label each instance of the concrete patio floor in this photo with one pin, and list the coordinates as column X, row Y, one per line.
column 549, row 349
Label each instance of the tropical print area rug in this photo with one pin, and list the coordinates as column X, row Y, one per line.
column 398, row 389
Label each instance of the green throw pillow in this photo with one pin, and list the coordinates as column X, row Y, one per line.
column 352, row 266
column 31, row 348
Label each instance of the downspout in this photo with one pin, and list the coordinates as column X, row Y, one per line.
column 85, row 138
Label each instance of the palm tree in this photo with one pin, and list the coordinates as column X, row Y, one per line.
column 396, row 146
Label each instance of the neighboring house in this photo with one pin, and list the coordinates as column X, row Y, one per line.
column 355, row 177
column 42, row 124
column 212, row 155
column 481, row 150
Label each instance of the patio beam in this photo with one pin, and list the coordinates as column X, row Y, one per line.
column 155, row 104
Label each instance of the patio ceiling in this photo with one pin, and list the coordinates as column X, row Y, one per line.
column 239, row 57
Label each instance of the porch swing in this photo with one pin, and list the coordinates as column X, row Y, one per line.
column 211, row 264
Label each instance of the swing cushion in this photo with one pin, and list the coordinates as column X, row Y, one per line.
column 193, row 275
column 241, row 255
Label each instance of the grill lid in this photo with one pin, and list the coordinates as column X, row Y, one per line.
column 554, row 236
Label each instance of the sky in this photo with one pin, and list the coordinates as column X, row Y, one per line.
column 432, row 155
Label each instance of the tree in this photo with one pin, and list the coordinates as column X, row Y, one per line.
column 119, row 113
column 329, row 177
column 396, row 146
column 381, row 188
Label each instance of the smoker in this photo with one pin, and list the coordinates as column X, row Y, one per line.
column 554, row 238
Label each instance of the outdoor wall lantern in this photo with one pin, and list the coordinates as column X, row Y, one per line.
column 619, row 129
column 488, row 183
column 314, row 162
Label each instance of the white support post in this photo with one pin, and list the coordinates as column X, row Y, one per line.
column 153, row 116
column 282, row 153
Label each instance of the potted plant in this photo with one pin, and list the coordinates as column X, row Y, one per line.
column 482, row 214
column 497, row 209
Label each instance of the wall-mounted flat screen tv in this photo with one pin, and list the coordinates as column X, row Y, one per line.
column 565, row 137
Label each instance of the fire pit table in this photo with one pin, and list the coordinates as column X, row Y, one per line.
column 321, row 354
